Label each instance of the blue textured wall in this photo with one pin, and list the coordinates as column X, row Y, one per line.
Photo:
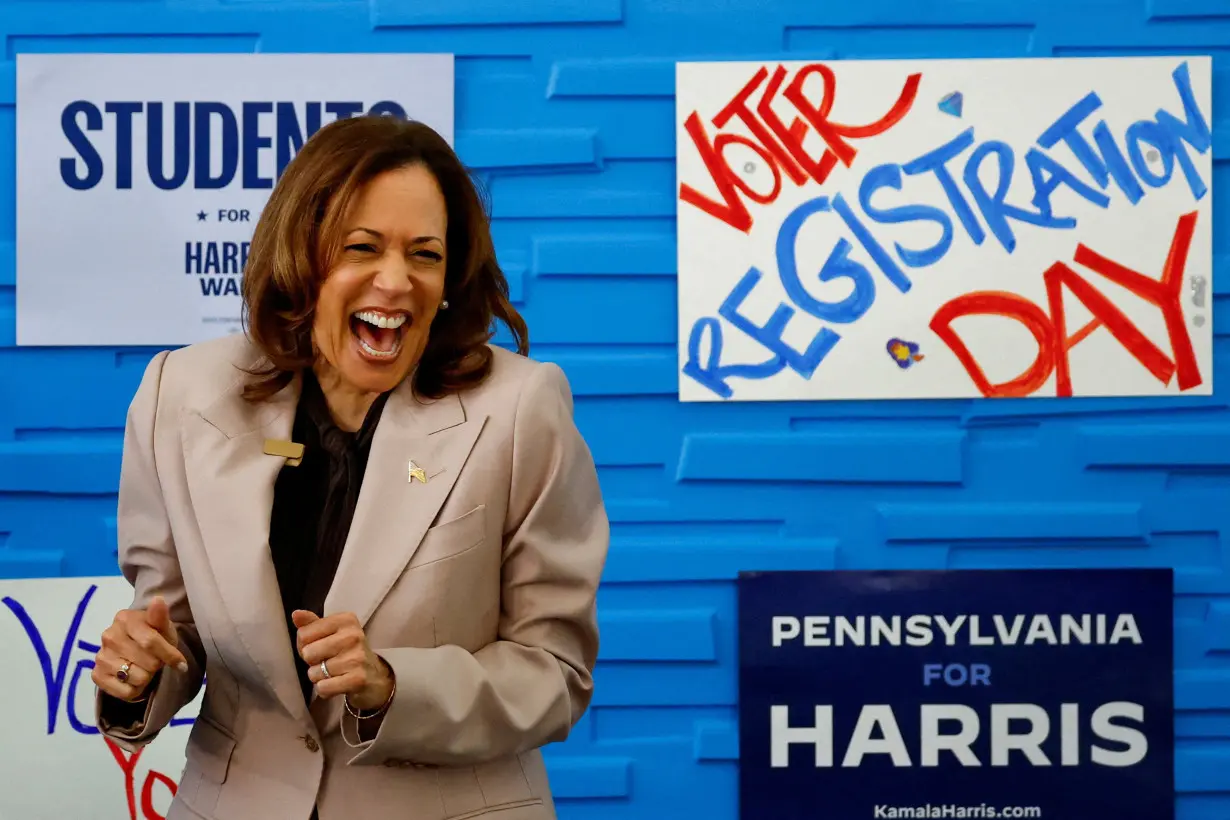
column 566, row 108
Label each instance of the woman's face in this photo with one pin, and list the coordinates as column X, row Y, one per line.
column 377, row 303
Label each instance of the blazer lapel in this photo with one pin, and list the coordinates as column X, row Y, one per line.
column 231, row 482
column 398, row 502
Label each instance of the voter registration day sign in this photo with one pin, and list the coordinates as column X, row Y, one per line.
column 56, row 762
column 945, row 228
column 969, row 694
column 140, row 177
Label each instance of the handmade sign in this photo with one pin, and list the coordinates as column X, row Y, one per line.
column 49, row 634
column 945, row 228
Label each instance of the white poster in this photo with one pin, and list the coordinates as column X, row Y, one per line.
column 140, row 177
column 56, row 763
column 945, row 229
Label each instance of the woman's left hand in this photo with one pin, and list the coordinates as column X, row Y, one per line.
column 339, row 644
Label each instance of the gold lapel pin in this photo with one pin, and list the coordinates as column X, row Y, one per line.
column 417, row 474
column 292, row 451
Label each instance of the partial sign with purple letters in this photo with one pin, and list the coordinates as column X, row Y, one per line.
column 50, row 630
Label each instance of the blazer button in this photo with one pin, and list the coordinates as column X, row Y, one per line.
column 310, row 742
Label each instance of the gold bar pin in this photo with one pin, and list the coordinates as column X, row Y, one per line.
column 292, row 451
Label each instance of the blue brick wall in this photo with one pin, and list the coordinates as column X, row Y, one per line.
column 565, row 107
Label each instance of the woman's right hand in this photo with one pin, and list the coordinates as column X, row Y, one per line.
column 138, row 643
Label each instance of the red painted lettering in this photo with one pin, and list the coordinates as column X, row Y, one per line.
column 147, row 794
column 737, row 107
column 1164, row 294
column 1049, row 327
column 128, row 765
column 831, row 132
column 1010, row 306
column 793, row 136
column 732, row 211
column 779, row 147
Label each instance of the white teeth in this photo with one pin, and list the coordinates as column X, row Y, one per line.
column 380, row 320
column 383, row 354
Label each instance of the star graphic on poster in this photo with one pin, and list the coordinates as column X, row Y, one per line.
column 200, row 216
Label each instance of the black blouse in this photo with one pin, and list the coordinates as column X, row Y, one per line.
column 313, row 505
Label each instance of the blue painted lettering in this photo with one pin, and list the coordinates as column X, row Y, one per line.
column 1193, row 130
column 1116, row 164
column 839, row 265
column 935, row 162
column 995, row 211
column 865, row 238
column 1064, row 129
column 771, row 333
column 712, row 373
column 1166, row 133
column 1047, row 175
column 54, row 680
column 889, row 176
column 1149, row 133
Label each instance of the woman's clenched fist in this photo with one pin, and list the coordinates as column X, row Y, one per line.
column 138, row 643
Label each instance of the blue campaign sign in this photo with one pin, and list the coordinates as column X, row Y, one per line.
column 956, row 694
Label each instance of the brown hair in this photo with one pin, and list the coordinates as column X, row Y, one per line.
column 298, row 237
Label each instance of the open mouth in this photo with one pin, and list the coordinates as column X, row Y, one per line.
column 379, row 334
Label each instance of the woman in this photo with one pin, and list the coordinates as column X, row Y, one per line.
column 379, row 536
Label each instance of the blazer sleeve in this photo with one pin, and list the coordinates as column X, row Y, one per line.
column 148, row 561
column 530, row 686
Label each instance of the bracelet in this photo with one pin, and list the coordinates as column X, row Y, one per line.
column 367, row 714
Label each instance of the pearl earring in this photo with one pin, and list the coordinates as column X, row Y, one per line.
column 444, row 305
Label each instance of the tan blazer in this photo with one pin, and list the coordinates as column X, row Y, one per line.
column 477, row 587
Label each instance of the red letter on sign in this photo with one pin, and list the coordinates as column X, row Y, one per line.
column 731, row 210
column 1164, row 293
column 147, row 794
column 793, row 136
column 1105, row 314
column 831, row 132
column 1051, row 331
column 1011, row 306
column 779, row 147
column 738, row 107
column 128, row 765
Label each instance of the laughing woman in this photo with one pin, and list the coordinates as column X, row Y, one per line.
column 379, row 535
